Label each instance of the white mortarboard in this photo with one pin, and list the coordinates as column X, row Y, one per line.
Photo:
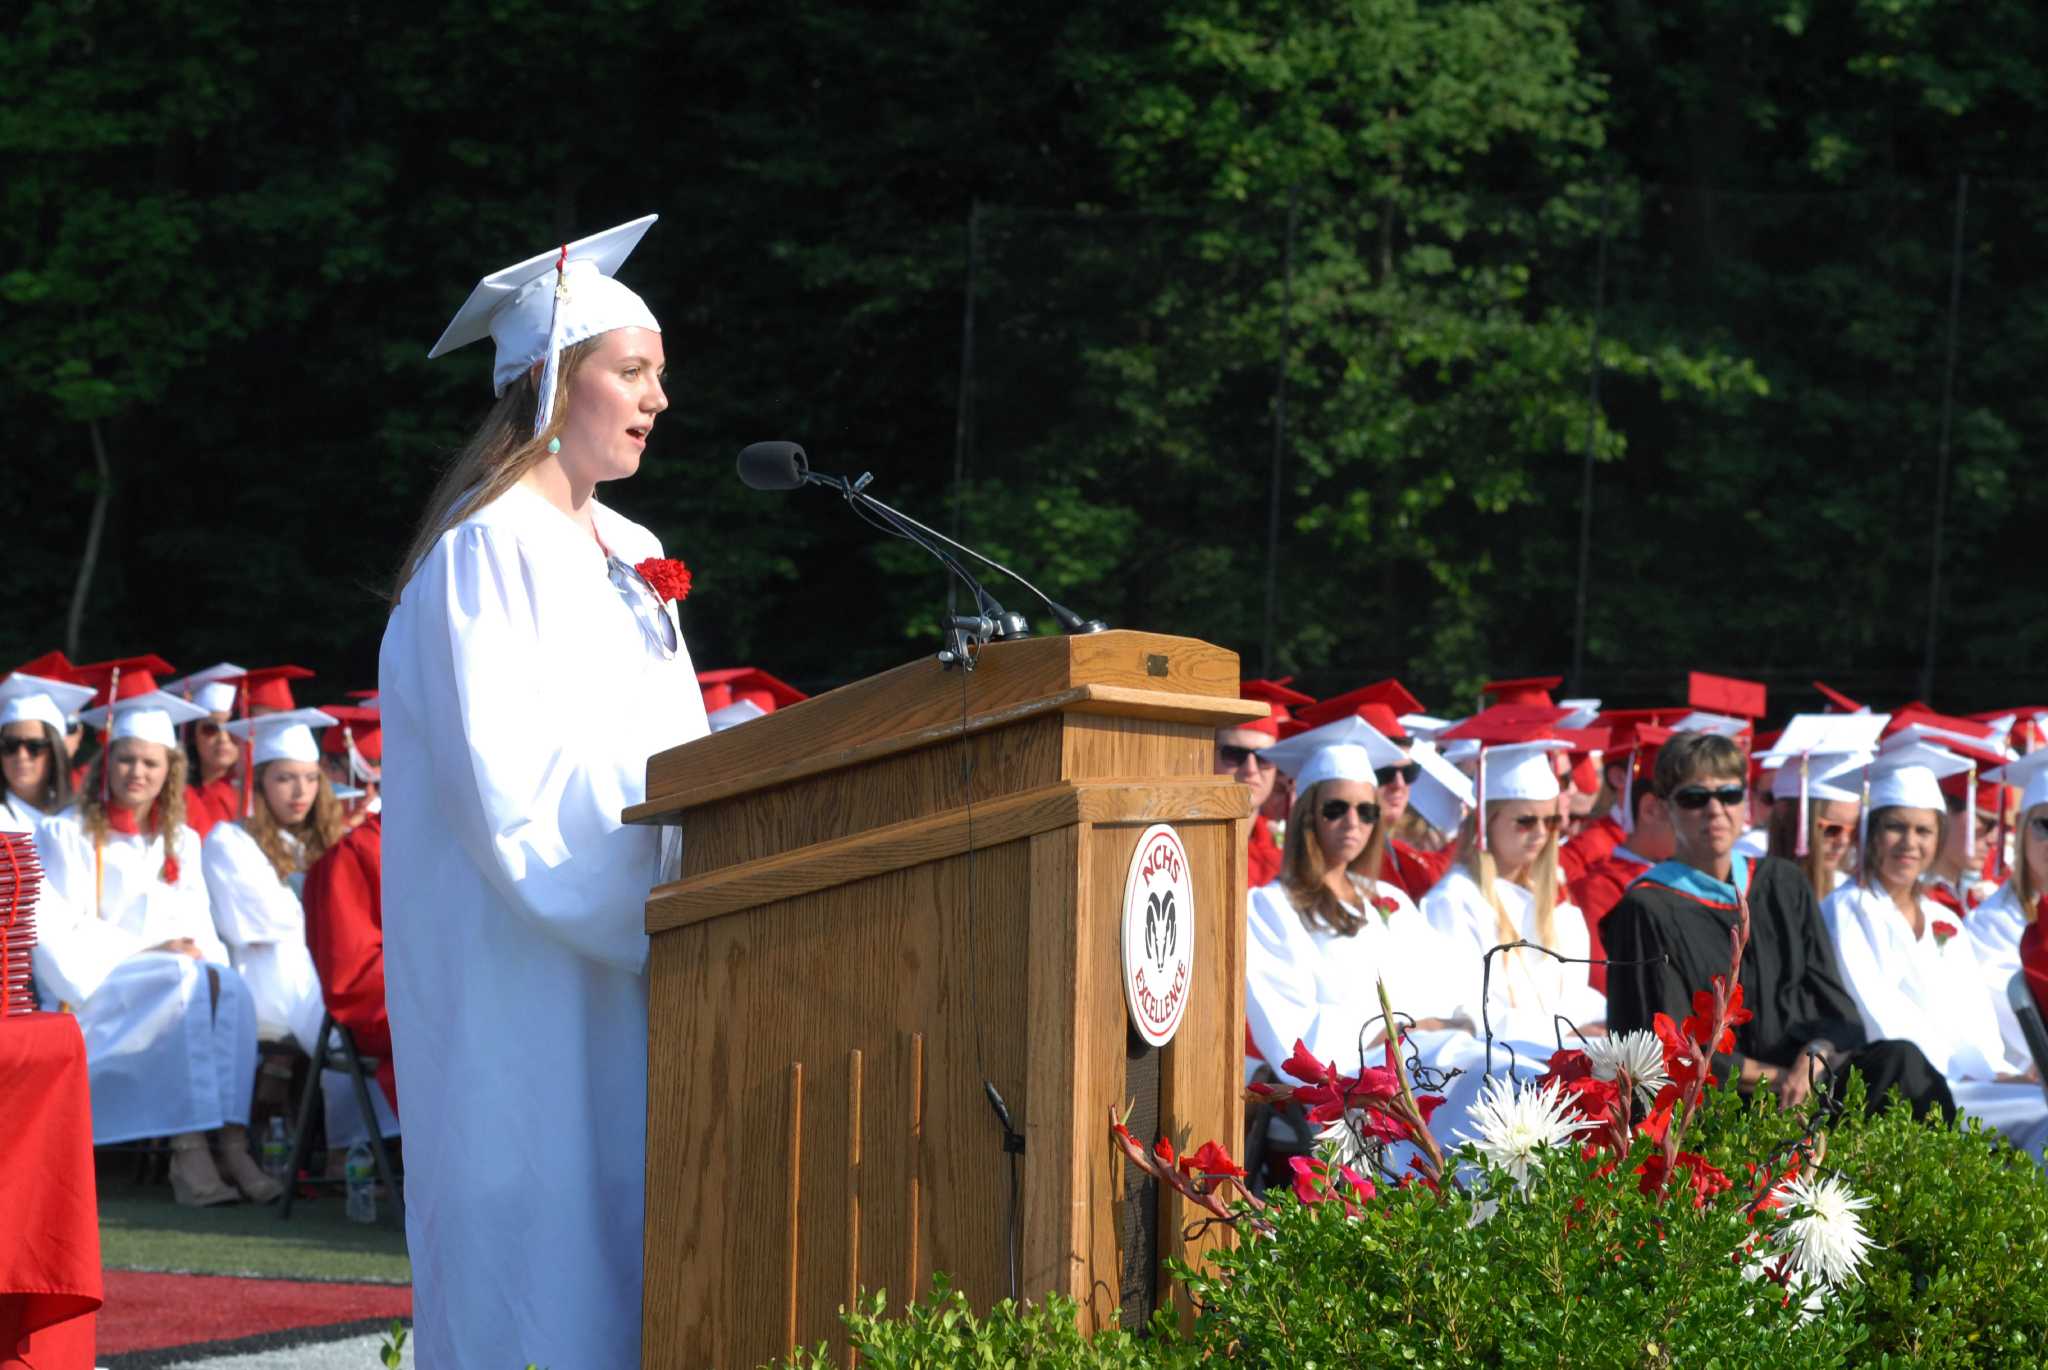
column 212, row 689
column 150, row 717
column 1909, row 776
column 1583, row 712
column 1815, row 735
column 732, row 715
column 548, row 302
column 1423, row 726
column 1520, row 770
column 284, row 736
column 34, row 699
column 1828, row 776
column 2030, row 772
column 1721, row 725
column 1295, row 753
column 1442, row 793
column 1339, row 761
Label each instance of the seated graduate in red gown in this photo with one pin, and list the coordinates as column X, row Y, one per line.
column 738, row 694
column 1237, row 754
column 1669, row 936
column 213, row 757
column 345, row 931
column 1648, row 840
column 352, row 756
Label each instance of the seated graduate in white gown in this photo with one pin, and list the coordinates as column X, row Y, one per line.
column 1907, row 962
column 529, row 669
column 1995, row 926
column 35, row 769
column 256, row 869
column 1505, row 888
column 127, row 941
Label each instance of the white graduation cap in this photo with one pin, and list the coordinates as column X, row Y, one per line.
column 36, row 699
column 732, row 715
column 1339, row 761
column 153, row 716
column 1520, row 770
column 2030, row 773
column 1423, row 727
column 1700, row 721
column 548, row 302
column 1442, row 793
column 212, row 689
column 1812, row 735
column 286, row 736
column 1826, row 776
column 1293, row 755
column 1462, row 750
column 1583, row 712
column 1908, row 772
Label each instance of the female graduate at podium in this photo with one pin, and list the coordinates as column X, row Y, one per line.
column 527, row 672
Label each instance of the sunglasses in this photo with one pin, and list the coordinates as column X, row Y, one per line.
column 34, row 746
column 1385, row 775
column 645, row 604
column 207, row 727
column 1835, row 832
column 1527, row 822
column 1986, row 823
column 1695, row 797
column 1333, row 811
column 1231, row 755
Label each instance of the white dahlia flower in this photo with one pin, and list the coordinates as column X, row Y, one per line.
column 1638, row 1052
column 1518, row 1122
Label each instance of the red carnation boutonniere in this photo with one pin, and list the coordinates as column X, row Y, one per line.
column 1942, row 931
column 1386, row 905
column 669, row 578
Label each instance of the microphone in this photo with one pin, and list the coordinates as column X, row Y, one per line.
column 774, row 466
column 784, row 466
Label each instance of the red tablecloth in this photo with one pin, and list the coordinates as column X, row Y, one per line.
column 50, row 1239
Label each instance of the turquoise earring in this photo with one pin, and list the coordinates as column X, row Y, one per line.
column 554, row 445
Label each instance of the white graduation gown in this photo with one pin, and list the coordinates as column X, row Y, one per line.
column 1936, row 997
column 1994, row 928
column 521, row 699
column 1527, row 990
column 162, row 1055
column 17, row 815
column 260, row 919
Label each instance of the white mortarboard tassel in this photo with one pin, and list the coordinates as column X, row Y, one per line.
column 548, row 302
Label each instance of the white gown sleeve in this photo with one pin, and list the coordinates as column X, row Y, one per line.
column 523, row 775
column 184, row 906
column 1283, row 1001
column 1578, row 1000
column 251, row 906
column 1886, row 1010
column 75, row 949
column 1994, row 928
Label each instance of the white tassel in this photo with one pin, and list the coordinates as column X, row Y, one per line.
column 1482, row 799
column 1805, row 840
column 544, row 412
column 1970, row 824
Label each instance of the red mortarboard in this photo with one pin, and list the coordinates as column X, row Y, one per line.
column 1381, row 704
column 1838, row 703
column 1281, row 701
column 1529, row 691
column 1720, row 694
column 735, row 684
column 1505, row 724
column 138, row 676
column 355, row 723
column 1989, row 797
column 270, row 687
column 49, row 666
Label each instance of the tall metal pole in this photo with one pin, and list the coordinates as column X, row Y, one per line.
column 1578, row 679
column 964, row 406
column 1279, row 436
column 1948, row 407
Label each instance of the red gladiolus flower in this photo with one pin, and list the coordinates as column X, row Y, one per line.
column 1306, row 1068
column 1212, row 1162
column 1163, row 1149
column 669, row 578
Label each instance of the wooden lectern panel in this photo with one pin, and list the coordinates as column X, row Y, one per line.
column 891, row 894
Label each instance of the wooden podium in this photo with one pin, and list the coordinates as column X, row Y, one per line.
column 894, row 892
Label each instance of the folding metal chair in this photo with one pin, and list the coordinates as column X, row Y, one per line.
column 2032, row 1028
column 342, row 1056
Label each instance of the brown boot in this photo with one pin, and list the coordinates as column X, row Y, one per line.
column 241, row 1167
column 195, row 1182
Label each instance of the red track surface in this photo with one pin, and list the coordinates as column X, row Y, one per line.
column 143, row 1312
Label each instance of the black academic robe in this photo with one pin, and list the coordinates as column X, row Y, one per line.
column 1663, row 944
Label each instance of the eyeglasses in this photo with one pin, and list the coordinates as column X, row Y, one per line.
column 1526, row 822
column 1987, row 822
column 1333, row 811
column 34, row 746
column 1695, row 797
column 1386, row 775
column 645, row 604
column 1235, row 756
column 207, row 727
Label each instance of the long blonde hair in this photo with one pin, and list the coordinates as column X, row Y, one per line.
column 1783, row 833
column 502, row 449
column 320, row 829
column 1303, row 867
column 1540, row 879
column 2022, row 883
column 166, row 813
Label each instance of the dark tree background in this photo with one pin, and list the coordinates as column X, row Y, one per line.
column 1071, row 278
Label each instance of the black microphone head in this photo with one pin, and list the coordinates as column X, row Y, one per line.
column 774, row 465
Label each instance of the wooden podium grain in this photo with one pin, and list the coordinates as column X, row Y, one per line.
column 853, row 946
